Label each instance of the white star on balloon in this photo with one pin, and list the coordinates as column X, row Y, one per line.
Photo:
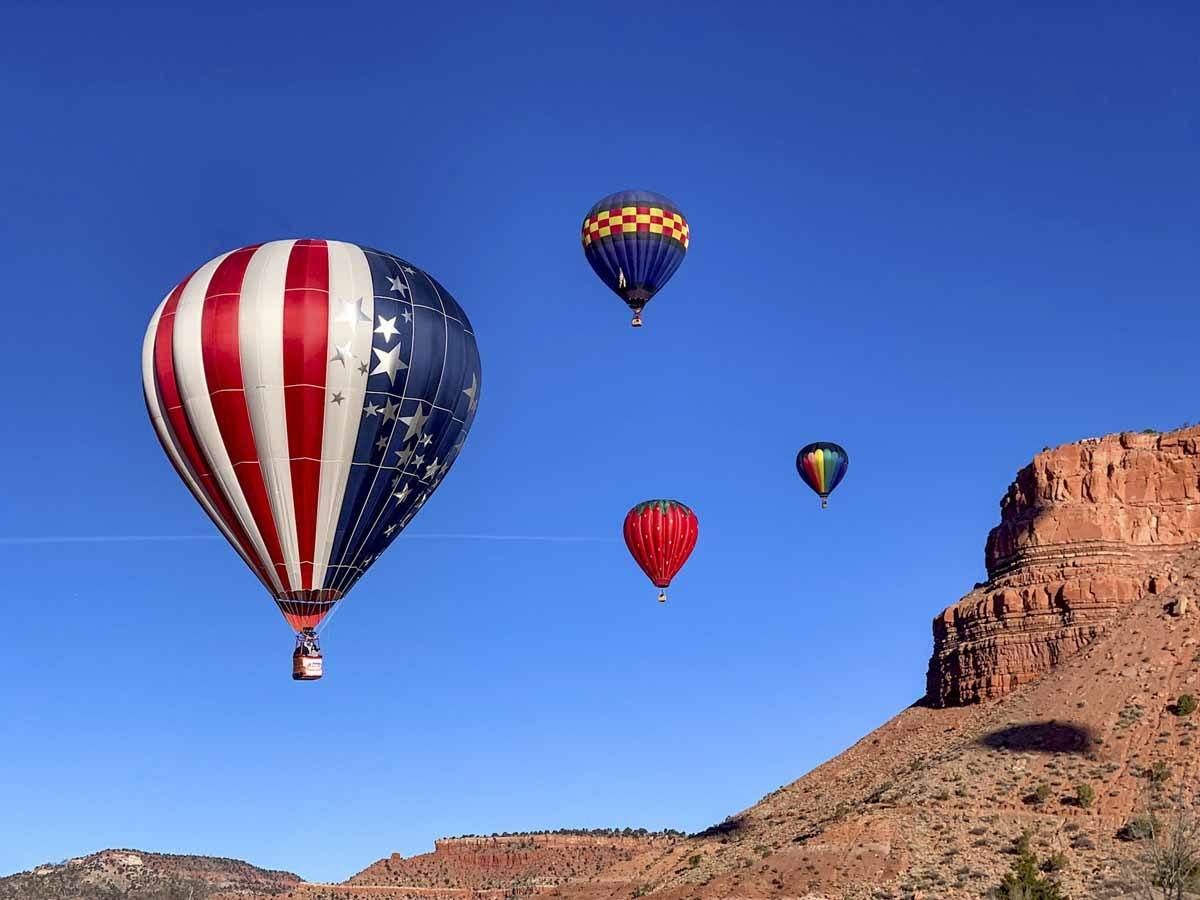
column 352, row 312
column 388, row 363
column 389, row 410
column 398, row 285
column 415, row 423
column 387, row 327
column 342, row 353
column 473, row 392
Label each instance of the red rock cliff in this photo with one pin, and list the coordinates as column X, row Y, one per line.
column 488, row 863
column 1084, row 530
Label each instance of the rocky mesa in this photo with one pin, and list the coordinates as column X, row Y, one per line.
column 497, row 866
column 1085, row 530
column 490, row 863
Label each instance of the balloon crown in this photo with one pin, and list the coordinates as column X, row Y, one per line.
column 663, row 506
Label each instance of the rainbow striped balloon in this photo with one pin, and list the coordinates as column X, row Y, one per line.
column 822, row 466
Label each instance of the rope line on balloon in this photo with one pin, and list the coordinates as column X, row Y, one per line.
column 208, row 430
column 341, row 578
column 280, row 464
column 351, row 574
column 333, row 512
column 355, row 570
column 447, row 440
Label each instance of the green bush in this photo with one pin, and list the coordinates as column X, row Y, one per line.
column 1023, row 882
column 1042, row 793
column 1055, row 863
column 1085, row 796
column 1185, row 705
column 1137, row 829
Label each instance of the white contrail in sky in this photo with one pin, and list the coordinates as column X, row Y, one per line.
column 170, row 538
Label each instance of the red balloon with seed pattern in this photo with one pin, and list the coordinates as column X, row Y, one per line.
column 661, row 535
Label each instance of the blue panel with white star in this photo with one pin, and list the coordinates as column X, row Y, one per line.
column 422, row 390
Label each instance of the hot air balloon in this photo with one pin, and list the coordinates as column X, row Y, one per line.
column 661, row 535
column 635, row 240
column 822, row 466
column 312, row 395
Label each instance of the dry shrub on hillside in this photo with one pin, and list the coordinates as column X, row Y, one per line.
column 1168, row 868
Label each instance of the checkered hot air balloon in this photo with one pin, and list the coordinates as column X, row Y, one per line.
column 661, row 535
column 635, row 240
column 822, row 466
column 312, row 395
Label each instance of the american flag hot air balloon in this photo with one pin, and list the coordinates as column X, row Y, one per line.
column 312, row 395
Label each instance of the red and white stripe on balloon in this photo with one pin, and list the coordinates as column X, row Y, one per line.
column 311, row 394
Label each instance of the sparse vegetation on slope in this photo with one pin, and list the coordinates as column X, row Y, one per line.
column 135, row 875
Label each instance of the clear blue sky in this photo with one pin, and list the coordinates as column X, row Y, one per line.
column 943, row 238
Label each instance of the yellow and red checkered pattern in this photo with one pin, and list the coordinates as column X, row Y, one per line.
column 632, row 219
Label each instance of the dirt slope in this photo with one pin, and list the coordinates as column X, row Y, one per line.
column 928, row 804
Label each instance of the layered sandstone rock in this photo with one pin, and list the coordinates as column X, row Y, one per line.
column 488, row 863
column 1085, row 530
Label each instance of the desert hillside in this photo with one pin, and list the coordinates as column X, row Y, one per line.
column 1051, row 710
column 146, row 876
column 498, row 866
column 930, row 804
column 1059, row 711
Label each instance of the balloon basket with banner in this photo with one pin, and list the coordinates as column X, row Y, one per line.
column 307, row 662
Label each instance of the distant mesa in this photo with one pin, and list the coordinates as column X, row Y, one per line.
column 112, row 874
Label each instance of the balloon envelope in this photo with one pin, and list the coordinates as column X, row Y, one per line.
column 635, row 240
column 312, row 395
column 661, row 535
column 822, row 465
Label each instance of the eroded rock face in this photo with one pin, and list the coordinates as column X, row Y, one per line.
column 1085, row 530
column 495, row 863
